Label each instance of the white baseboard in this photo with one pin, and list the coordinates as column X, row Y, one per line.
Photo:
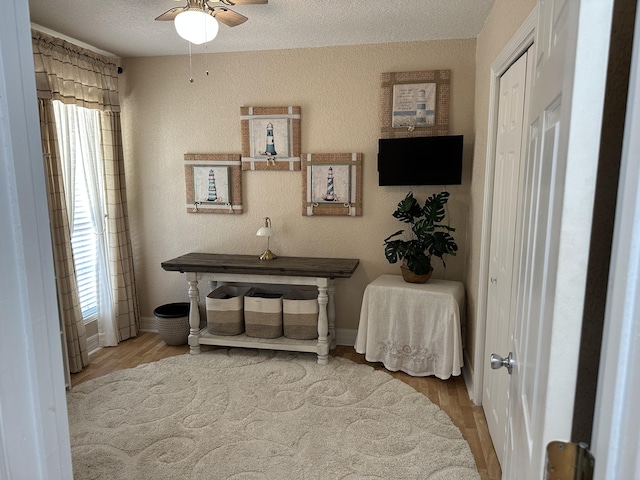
column 92, row 344
column 148, row 324
column 346, row 336
column 467, row 374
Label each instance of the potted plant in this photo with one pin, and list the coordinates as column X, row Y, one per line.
column 427, row 237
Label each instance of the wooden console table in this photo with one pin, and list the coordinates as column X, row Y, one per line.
column 319, row 272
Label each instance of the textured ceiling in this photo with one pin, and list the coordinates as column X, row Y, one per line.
column 126, row 28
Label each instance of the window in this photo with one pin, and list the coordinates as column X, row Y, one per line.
column 83, row 241
column 79, row 141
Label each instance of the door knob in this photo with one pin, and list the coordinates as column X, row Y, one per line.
column 497, row 362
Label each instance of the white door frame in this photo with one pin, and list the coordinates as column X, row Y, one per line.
column 616, row 434
column 518, row 45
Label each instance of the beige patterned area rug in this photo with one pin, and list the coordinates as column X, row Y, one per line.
column 250, row 415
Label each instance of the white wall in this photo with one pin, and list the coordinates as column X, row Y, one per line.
column 338, row 90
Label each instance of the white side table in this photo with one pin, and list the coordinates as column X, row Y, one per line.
column 413, row 327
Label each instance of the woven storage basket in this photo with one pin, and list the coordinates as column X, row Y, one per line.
column 263, row 314
column 172, row 322
column 225, row 315
column 300, row 314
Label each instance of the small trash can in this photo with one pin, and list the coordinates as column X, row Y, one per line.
column 172, row 321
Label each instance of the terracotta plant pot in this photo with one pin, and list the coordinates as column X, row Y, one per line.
column 411, row 277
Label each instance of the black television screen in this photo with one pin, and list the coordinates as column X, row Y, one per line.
column 420, row 161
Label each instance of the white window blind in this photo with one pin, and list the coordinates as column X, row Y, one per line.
column 85, row 253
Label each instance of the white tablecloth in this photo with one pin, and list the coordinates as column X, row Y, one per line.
column 412, row 327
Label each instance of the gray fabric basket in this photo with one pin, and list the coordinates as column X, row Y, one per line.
column 263, row 314
column 225, row 313
column 300, row 314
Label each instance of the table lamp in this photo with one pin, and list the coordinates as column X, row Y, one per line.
column 266, row 231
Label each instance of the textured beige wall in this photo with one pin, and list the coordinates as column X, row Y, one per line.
column 504, row 20
column 338, row 89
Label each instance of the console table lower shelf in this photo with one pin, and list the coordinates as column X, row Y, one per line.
column 243, row 340
column 220, row 269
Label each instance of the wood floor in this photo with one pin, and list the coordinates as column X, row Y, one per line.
column 450, row 395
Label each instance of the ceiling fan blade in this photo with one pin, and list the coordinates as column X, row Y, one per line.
column 240, row 2
column 228, row 17
column 170, row 14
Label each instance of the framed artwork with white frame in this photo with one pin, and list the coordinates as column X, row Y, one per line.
column 270, row 138
column 213, row 183
column 332, row 184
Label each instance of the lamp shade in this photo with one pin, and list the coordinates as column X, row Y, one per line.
column 265, row 232
column 196, row 26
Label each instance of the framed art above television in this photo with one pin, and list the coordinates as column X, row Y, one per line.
column 414, row 104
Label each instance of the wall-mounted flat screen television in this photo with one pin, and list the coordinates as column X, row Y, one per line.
column 420, row 161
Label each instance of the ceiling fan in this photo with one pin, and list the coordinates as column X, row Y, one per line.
column 216, row 8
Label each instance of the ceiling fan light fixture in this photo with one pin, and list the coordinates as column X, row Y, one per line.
column 196, row 26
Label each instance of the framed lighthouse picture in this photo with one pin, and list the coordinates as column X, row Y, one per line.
column 332, row 184
column 213, row 183
column 270, row 138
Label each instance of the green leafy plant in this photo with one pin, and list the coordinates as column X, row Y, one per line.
column 428, row 237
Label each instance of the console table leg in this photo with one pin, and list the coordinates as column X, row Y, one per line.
column 331, row 312
column 194, row 314
column 323, row 325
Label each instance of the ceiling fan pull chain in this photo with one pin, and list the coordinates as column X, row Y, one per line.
column 190, row 65
column 206, row 51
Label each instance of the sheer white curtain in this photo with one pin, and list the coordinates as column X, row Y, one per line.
column 78, row 131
